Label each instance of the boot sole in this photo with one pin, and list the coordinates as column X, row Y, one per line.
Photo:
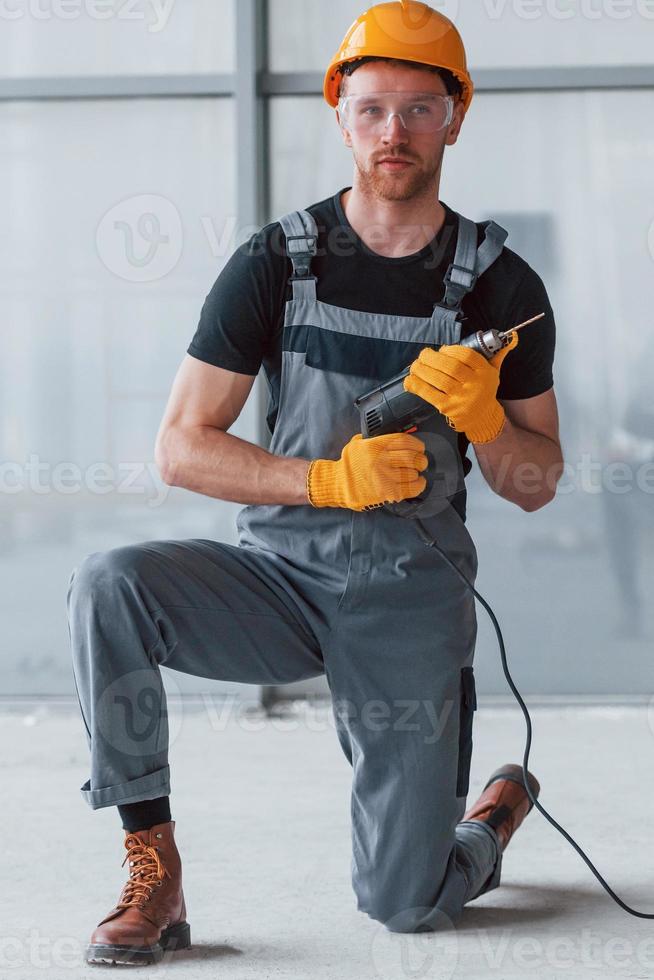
column 174, row 938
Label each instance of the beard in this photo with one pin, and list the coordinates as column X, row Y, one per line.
column 414, row 182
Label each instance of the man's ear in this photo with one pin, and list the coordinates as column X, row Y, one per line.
column 454, row 128
column 347, row 139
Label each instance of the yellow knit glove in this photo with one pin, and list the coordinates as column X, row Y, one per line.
column 462, row 385
column 370, row 472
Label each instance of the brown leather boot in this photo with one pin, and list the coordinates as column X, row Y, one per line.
column 150, row 915
column 504, row 802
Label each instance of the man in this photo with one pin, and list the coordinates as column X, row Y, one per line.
column 334, row 300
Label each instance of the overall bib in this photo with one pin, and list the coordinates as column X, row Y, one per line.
column 357, row 596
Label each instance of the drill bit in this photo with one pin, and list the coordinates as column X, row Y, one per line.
column 505, row 333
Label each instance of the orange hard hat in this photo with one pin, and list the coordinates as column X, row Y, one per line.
column 407, row 30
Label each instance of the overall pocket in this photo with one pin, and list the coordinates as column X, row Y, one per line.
column 467, row 707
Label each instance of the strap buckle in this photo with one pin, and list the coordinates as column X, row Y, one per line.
column 301, row 255
column 455, row 291
column 461, row 269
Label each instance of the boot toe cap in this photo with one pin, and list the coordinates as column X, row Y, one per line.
column 125, row 932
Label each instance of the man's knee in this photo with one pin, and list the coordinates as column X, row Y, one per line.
column 405, row 902
column 99, row 572
column 419, row 918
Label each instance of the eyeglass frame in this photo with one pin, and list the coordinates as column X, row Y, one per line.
column 450, row 99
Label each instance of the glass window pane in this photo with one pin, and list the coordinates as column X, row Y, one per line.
column 305, row 34
column 574, row 191
column 112, row 37
column 112, row 237
column 307, row 153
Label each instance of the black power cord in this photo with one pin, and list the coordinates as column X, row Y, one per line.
column 432, row 544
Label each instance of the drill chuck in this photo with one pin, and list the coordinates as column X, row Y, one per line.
column 486, row 342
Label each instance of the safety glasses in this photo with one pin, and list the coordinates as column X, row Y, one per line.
column 418, row 112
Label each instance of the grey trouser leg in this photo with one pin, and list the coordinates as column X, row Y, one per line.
column 394, row 670
column 398, row 659
column 414, row 865
column 202, row 607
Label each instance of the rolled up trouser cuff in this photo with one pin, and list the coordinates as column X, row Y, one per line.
column 494, row 878
column 147, row 787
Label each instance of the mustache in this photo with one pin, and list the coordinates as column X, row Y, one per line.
column 395, row 156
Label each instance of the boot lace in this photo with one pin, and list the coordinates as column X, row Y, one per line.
column 147, row 871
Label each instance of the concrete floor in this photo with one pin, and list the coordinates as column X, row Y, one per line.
column 262, row 813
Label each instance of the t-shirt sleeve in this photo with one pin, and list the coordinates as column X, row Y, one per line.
column 238, row 316
column 527, row 370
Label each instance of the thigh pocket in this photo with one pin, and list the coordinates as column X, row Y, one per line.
column 467, row 706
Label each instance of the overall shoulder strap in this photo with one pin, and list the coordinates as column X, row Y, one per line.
column 301, row 234
column 469, row 263
column 492, row 245
column 461, row 273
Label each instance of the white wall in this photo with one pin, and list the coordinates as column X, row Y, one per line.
column 95, row 321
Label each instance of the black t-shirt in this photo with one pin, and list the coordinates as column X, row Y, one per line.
column 242, row 318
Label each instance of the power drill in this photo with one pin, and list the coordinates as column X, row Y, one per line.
column 389, row 408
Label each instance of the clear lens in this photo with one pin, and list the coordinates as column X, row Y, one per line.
column 419, row 112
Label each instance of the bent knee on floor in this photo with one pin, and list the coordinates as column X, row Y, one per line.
column 409, row 902
column 414, row 919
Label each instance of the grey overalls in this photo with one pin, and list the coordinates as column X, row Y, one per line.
column 355, row 595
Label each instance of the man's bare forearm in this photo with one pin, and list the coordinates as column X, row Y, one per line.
column 212, row 462
column 521, row 466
